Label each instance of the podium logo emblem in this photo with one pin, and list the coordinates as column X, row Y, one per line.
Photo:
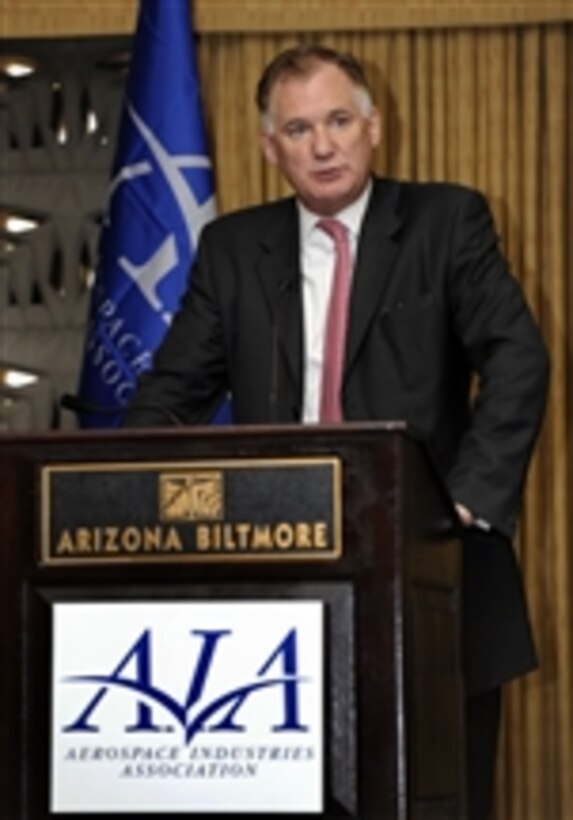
column 133, row 673
column 191, row 496
column 200, row 707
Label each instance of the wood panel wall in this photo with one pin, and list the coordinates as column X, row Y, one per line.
column 477, row 92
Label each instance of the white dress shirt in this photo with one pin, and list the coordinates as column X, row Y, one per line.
column 317, row 259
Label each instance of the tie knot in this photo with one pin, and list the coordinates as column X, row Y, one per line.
column 335, row 229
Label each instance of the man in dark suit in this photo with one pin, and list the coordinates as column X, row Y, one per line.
column 432, row 305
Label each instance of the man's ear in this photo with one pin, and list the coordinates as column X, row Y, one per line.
column 375, row 126
column 268, row 147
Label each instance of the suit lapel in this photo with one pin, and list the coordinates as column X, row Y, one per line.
column 279, row 273
column 375, row 258
column 278, row 268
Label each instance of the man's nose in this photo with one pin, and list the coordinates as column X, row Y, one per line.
column 322, row 143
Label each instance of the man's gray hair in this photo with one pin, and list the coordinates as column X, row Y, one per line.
column 303, row 61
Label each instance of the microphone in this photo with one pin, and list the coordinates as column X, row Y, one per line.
column 79, row 405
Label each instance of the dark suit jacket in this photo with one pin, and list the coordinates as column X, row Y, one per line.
column 432, row 303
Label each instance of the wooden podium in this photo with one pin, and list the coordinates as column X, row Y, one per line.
column 383, row 558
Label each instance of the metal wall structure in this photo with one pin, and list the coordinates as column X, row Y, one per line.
column 57, row 135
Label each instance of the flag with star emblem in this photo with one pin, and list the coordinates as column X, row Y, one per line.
column 160, row 196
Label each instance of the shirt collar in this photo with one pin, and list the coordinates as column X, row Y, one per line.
column 351, row 216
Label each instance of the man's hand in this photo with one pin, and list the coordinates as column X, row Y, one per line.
column 465, row 515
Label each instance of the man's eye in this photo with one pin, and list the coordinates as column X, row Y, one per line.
column 296, row 129
column 340, row 119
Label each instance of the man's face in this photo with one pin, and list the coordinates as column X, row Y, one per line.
column 321, row 139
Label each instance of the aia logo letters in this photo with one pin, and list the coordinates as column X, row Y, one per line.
column 197, row 712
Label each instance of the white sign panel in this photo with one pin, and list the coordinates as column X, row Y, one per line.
column 187, row 707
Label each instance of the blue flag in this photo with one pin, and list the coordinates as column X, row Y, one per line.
column 161, row 195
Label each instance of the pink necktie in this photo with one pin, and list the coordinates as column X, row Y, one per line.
column 336, row 323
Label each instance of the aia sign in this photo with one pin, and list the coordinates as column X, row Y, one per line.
column 187, row 706
column 197, row 711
